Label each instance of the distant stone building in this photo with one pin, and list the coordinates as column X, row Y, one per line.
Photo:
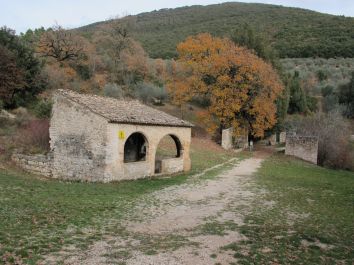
column 95, row 138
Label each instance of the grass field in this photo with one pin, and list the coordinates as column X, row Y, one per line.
column 306, row 216
column 38, row 216
column 303, row 214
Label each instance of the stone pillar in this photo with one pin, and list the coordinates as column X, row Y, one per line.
column 282, row 137
column 226, row 139
column 273, row 139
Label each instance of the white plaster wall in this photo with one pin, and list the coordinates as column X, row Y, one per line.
column 116, row 169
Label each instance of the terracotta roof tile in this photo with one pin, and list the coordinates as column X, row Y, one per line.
column 124, row 110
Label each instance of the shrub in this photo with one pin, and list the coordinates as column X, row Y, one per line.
column 113, row 90
column 43, row 109
column 150, row 92
column 327, row 90
column 321, row 75
column 311, row 103
column 83, row 71
column 330, row 102
column 333, row 132
column 34, row 136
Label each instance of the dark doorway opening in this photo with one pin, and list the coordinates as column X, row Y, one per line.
column 135, row 148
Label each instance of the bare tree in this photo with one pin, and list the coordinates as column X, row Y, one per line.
column 60, row 44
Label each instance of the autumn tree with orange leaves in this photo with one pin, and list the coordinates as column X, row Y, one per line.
column 241, row 88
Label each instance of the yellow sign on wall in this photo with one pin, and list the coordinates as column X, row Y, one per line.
column 121, row 135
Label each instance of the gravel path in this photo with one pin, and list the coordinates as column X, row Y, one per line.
column 182, row 224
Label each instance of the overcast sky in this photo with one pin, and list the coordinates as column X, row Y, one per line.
column 23, row 14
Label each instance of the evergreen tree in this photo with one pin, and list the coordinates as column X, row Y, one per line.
column 22, row 58
column 297, row 102
column 346, row 97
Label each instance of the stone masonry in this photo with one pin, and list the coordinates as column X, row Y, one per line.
column 36, row 164
column 88, row 138
column 226, row 139
column 304, row 147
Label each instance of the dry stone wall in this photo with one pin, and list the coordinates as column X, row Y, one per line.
column 304, row 147
column 36, row 164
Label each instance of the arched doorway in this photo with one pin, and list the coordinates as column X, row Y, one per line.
column 135, row 148
column 168, row 147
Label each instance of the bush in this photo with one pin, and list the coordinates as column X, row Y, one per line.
column 83, row 71
column 34, row 136
column 311, row 103
column 327, row 90
column 43, row 109
column 333, row 132
column 321, row 75
column 113, row 90
column 148, row 92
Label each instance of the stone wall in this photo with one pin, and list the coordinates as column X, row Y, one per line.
column 36, row 164
column 171, row 165
column 77, row 141
column 282, row 137
column 304, row 147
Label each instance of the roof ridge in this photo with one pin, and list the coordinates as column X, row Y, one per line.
column 124, row 110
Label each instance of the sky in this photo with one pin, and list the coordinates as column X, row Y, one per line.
column 24, row 14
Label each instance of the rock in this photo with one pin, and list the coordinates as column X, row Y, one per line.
column 7, row 115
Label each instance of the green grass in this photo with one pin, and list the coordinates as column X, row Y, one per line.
column 39, row 216
column 311, row 205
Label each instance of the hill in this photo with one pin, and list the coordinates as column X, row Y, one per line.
column 293, row 32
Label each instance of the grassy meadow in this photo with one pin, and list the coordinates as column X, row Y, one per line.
column 38, row 215
column 306, row 216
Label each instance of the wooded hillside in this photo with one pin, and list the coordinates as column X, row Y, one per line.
column 293, row 32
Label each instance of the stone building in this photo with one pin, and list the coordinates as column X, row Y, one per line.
column 95, row 138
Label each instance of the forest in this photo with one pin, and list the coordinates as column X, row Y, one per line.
column 293, row 32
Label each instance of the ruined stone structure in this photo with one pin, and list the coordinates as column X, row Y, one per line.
column 304, row 147
column 230, row 141
column 277, row 138
column 36, row 164
column 226, row 139
column 282, row 137
column 103, row 139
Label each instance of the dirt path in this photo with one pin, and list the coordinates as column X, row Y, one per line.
column 182, row 224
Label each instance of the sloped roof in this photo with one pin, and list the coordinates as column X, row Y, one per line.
column 124, row 110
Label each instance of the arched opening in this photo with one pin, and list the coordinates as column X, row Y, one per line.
column 169, row 147
column 135, row 148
